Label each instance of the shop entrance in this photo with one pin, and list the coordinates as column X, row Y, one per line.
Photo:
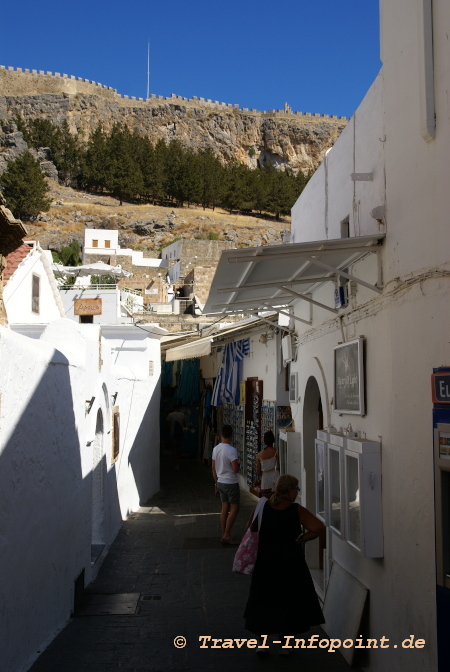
column 312, row 421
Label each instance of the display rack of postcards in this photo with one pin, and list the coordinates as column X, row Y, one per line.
column 234, row 416
column 267, row 416
column 251, row 451
column 284, row 416
column 253, row 399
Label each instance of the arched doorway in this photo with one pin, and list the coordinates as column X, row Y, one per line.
column 98, row 513
column 312, row 421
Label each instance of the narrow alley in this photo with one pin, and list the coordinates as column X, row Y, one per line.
column 168, row 576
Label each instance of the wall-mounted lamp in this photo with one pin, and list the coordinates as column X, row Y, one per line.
column 378, row 213
column 113, row 398
column 88, row 405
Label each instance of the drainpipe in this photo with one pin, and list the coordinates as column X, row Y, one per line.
column 426, row 71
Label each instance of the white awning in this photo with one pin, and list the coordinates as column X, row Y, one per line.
column 198, row 348
column 277, row 276
column 202, row 346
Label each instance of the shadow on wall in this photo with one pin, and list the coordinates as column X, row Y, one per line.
column 47, row 495
column 146, row 442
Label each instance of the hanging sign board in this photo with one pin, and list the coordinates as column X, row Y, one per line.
column 87, row 307
column 349, row 378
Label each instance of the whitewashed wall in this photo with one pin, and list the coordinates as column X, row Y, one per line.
column 110, row 303
column 101, row 236
column 331, row 196
column 47, row 466
column 18, row 292
column 405, row 328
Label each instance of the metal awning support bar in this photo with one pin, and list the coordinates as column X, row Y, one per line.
column 294, row 317
column 315, row 303
column 301, row 253
column 277, row 326
column 345, row 275
column 254, row 304
column 278, row 283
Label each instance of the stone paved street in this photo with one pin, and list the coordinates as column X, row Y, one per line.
column 171, row 577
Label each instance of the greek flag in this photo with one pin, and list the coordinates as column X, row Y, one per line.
column 226, row 387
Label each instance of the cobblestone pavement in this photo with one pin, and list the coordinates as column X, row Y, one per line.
column 169, row 575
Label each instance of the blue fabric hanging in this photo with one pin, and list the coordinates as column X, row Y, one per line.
column 188, row 384
column 226, row 388
column 166, row 374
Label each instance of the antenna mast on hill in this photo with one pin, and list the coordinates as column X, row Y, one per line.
column 148, row 71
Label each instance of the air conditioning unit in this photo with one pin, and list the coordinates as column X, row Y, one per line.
column 286, row 348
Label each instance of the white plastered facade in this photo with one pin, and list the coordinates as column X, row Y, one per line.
column 18, row 292
column 405, row 328
column 62, row 492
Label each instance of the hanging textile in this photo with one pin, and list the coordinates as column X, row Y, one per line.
column 226, row 388
column 188, row 385
column 166, row 374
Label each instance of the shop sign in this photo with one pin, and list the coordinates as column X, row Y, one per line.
column 242, row 395
column 440, row 388
column 349, row 378
column 87, row 307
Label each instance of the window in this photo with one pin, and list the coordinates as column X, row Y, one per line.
column 35, row 293
column 107, row 243
column 86, row 319
column 345, row 228
column 115, row 434
column 95, row 243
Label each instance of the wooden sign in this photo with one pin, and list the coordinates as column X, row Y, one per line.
column 87, row 307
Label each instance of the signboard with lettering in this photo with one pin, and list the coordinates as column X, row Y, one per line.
column 87, row 307
column 440, row 387
column 349, row 378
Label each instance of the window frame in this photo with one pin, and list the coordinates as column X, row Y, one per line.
column 115, row 434
column 35, row 295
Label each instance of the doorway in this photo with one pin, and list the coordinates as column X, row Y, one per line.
column 312, row 422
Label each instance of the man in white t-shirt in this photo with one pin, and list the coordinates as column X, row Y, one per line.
column 225, row 468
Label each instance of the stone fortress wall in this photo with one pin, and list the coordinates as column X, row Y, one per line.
column 279, row 137
column 22, row 82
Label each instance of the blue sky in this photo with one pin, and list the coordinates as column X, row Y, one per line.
column 318, row 55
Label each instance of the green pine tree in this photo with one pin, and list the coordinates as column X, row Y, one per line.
column 212, row 179
column 124, row 176
column 96, row 160
column 24, row 187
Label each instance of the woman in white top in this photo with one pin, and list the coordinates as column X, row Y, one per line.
column 267, row 466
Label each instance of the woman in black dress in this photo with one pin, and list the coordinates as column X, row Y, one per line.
column 282, row 597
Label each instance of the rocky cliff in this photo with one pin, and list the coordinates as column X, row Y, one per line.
column 284, row 138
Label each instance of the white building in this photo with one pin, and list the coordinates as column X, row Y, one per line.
column 78, row 403
column 78, row 406
column 101, row 242
column 100, row 304
column 373, row 224
column 30, row 291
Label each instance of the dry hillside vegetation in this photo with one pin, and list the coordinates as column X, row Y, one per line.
column 145, row 227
